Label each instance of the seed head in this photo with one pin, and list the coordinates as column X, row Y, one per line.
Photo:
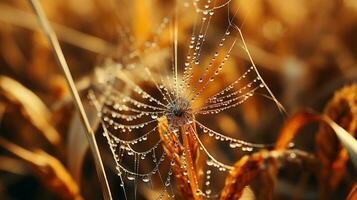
column 179, row 112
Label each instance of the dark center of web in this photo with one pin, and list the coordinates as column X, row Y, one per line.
column 178, row 112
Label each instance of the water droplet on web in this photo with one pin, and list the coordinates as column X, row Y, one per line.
column 145, row 179
column 130, row 177
column 209, row 162
column 232, row 145
column 144, row 138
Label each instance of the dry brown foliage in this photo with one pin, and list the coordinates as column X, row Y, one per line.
column 342, row 109
column 264, row 163
column 305, row 50
column 190, row 147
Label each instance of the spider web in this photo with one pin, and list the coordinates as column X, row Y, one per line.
column 135, row 95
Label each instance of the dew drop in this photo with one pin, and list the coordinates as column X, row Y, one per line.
column 232, row 145
column 130, row 177
column 209, row 162
column 145, row 179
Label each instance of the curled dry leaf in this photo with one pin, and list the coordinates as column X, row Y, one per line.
column 348, row 142
column 334, row 139
column 245, row 170
column 264, row 163
column 175, row 152
column 49, row 170
column 301, row 119
column 77, row 142
column 342, row 109
column 291, row 128
column 32, row 107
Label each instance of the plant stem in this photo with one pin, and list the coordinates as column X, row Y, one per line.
column 62, row 62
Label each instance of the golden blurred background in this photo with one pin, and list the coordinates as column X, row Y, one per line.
column 304, row 49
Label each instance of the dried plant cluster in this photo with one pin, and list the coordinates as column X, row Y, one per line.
column 181, row 97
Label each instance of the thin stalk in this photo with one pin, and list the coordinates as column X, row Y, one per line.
column 62, row 62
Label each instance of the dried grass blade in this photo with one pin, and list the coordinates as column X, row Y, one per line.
column 50, row 170
column 13, row 165
column 32, row 107
column 190, row 148
column 191, row 170
column 346, row 139
column 168, row 140
column 62, row 62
